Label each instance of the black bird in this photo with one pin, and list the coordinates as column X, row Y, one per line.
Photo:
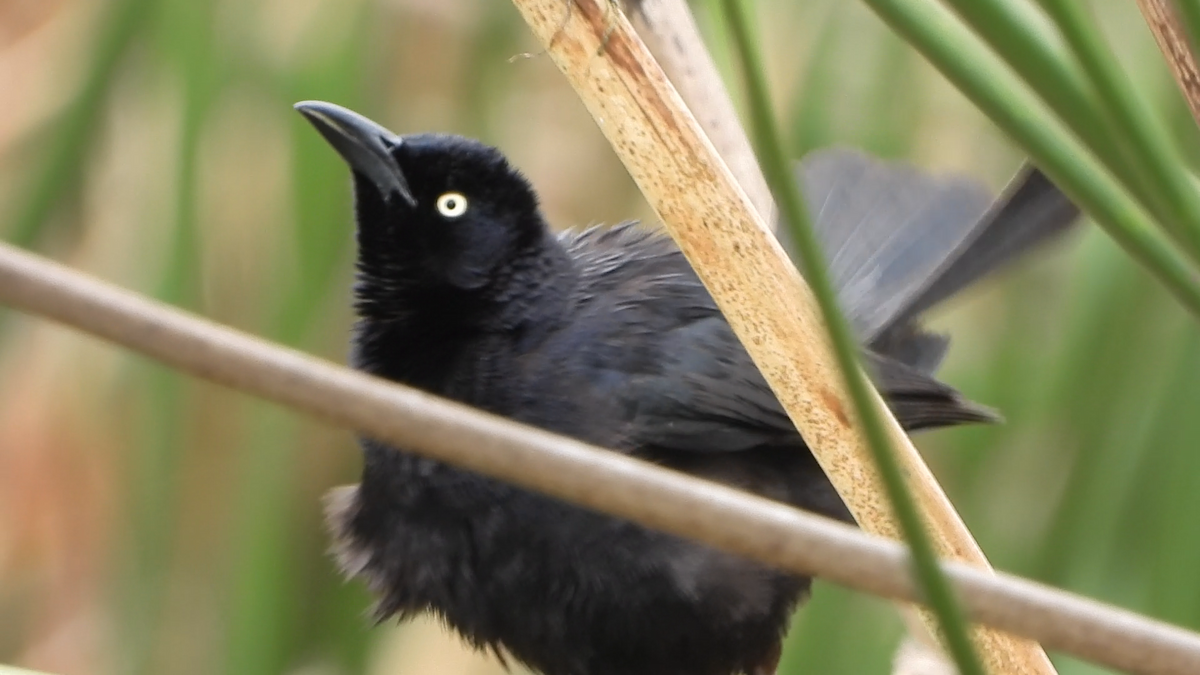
column 606, row 335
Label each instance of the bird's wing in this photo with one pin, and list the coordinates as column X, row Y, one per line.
column 897, row 241
column 918, row 400
column 707, row 395
column 677, row 372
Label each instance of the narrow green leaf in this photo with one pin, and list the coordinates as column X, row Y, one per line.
column 1037, row 54
column 1142, row 137
column 977, row 73
column 787, row 194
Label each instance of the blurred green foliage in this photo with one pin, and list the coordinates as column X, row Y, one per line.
column 151, row 523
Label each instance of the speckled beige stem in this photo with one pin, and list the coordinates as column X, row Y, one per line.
column 670, row 31
column 764, row 298
column 1172, row 40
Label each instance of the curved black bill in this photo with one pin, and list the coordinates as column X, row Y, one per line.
column 366, row 146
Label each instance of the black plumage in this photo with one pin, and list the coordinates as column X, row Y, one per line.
column 606, row 335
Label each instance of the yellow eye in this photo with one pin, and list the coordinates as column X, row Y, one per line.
column 452, row 205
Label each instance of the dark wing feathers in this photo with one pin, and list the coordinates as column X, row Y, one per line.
column 919, row 401
column 690, row 385
column 700, row 403
column 910, row 344
column 898, row 241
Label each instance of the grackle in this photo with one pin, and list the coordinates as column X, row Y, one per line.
column 607, row 335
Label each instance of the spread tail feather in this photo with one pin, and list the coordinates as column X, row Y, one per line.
column 899, row 240
column 1030, row 212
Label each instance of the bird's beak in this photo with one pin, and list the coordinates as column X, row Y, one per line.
column 366, row 146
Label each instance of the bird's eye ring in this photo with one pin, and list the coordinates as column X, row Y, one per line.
column 452, row 205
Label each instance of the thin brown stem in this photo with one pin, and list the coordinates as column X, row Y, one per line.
column 758, row 289
column 670, row 31
column 735, row 521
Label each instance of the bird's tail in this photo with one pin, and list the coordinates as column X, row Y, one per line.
column 1032, row 211
column 899, row 240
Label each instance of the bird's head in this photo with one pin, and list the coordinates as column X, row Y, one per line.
column 435, row 212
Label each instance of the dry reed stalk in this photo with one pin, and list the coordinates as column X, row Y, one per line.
column 761, row 294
